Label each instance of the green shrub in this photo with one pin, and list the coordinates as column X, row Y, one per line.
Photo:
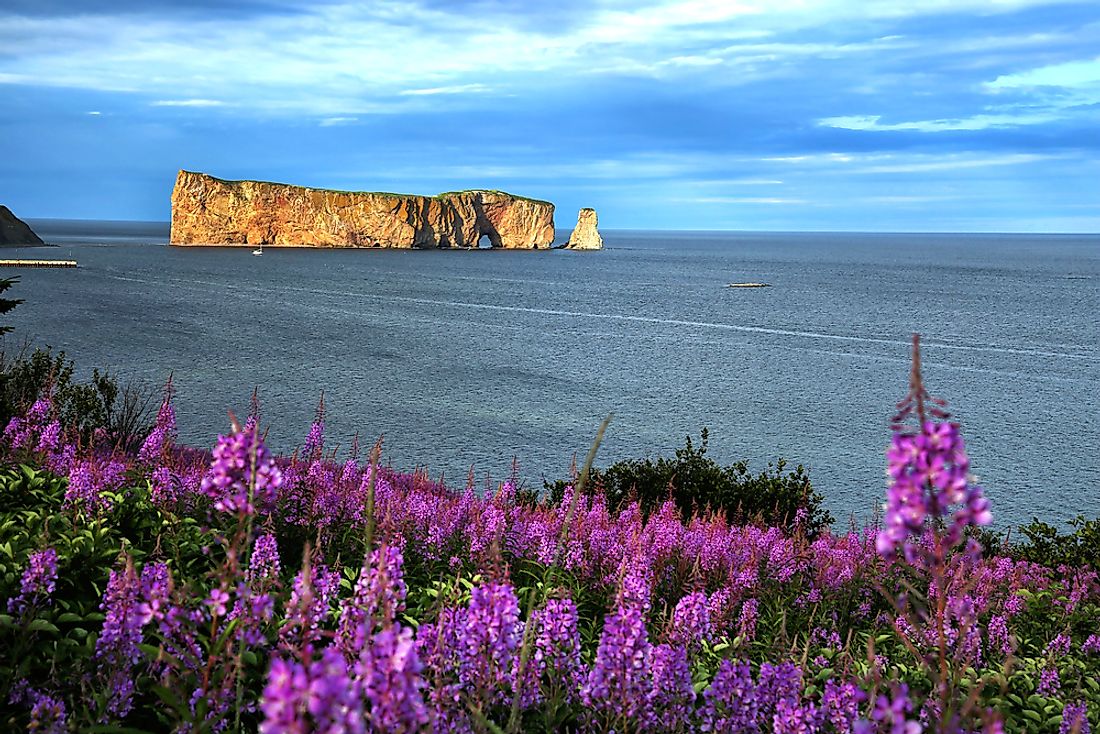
column 125, row 412
column 1047, row 546
column 696, row 482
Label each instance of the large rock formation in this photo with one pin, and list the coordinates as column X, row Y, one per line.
column 14, row 231
column 209, row 211
column 585, row 235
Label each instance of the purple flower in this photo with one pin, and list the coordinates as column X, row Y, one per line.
column 690, row 620
column 891, row 713
column 746, row 624
column 217, row 602
column 1059, row 646
column 334, row 700
column 999, row 636
column 283, row 705
column 378, row 598
column 840, row 704
column 1091, row 645
column 156, row 589
column 929, row 473
column 164, row 486
column 160, row 438
column 490, row 636
column 1075, row 719
column 318, row 696
column 392, row 682
column 49, row 441
column 315, row 441
column 87, row 480
column 242, row 475
column 38, row 582
column 730, row 702
column 621, row 678
column 672, row 698
column 23, row 432
column 777, row 684
column 792, row 718
column 263, row 565
column 116, row 650
column 308, row 606
column 48, row 715
column 1049, row 681
column 557, row 656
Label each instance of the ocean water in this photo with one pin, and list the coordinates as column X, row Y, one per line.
column 472, row 361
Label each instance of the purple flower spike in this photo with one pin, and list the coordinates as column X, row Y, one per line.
column 38, row 582
column 160, row 438
column 392, row 682
column 621, row 678
column 282, row 703
column 48, row 715
column 929, row 473
column 116, row 650
column 1075, row 719
column 691, row 620
column 558, row 646
column 243, row 476
column 731, row 703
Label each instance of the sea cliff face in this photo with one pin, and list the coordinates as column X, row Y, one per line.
column 14, row 231
column 210, row 211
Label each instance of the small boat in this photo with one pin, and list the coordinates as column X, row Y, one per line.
column 259, row 250
column 750, row 285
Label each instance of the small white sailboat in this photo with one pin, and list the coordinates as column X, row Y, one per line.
column 259, row 250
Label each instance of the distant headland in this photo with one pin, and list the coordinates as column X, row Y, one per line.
column 211, row 211
column 14, row 231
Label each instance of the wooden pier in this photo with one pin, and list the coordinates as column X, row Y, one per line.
column 37, row 263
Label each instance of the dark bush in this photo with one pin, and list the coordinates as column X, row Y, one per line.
column 125, row 412
column 696, row 482
column 1046, row 545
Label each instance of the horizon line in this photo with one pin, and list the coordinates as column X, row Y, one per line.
column 168, row 222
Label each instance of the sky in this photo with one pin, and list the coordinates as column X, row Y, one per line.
column 790, row 115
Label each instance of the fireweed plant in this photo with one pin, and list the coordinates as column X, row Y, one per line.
column 172, row 589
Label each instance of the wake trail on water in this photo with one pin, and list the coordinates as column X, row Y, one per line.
column 930, row 345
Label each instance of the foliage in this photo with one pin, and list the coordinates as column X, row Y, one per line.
column 8, row 304
column 697, row 483
column 1049, row 547
column 175, row 589
column 123, row 411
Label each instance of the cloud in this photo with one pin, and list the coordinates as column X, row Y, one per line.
column 94, row 113
column 754, row 104
column 1071, row 74
column 187, row 103
column 954, row 162
column 769, row 200
column 454, row 89
column 976, row 122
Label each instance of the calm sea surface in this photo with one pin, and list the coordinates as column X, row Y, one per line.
column 473, row 359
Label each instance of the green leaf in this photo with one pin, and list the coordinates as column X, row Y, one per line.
column 41, row 625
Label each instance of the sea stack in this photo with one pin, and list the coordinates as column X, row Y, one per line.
column 14, row 231
column 210, row 211
column 585, row 235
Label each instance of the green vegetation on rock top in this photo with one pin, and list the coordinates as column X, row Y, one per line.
column 444, row 195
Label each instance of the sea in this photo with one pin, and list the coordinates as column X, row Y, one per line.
column 482, row 365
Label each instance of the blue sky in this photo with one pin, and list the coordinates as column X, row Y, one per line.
column 889, row 115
